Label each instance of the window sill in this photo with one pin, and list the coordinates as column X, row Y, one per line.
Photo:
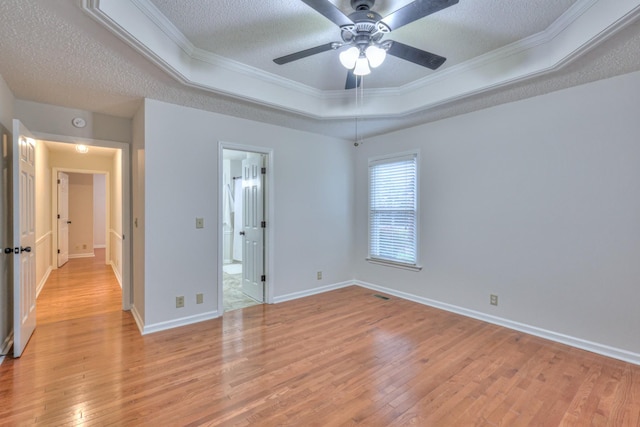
column 410, row 267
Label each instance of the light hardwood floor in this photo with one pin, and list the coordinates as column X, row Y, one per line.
column 341, row 358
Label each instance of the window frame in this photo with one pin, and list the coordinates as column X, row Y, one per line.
column 386, row 159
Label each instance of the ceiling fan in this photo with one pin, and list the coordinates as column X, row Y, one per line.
column 363, row 31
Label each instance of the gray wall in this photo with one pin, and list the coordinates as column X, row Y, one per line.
column 536, row 201
column 55, row 120
column 6, row 303
column 313, row 208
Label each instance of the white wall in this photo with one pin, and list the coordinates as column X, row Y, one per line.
column 99, row 210
column 138, row 197
column 44, row 227
column 6, row 105
column 313, row 207
column 56, row 120
column 6, row 304
column 535, row 201
column 114, row 217
column 80, row 215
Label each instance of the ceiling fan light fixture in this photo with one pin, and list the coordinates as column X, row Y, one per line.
column 349, row 57
column 375, row 55
column 362, row 66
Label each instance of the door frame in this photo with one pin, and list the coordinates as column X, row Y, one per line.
column 54, row 205
column 125, row 169
column 269, row 258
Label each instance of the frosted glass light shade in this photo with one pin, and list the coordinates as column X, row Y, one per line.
column 375, row 55
column 349, row 57
column 362, row 66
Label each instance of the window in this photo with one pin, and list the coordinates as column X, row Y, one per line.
column 393, row 205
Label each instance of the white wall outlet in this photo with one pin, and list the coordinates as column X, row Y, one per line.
column 199, row 222
column 199, row 298
column 319, row 275
column 493, row 299
column 179, row 302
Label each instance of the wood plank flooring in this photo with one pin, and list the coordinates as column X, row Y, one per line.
column 337, row 359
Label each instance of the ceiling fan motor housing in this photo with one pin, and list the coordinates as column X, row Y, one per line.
column 362, row 4
column 367, row 27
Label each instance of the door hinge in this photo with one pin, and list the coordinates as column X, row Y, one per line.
column 58, row 250
column 58, row 181
column 264, row 170
column 263, row 224
column 263, row 278
column 58, row 216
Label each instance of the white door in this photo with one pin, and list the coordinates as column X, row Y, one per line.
column 24, row 237
column 253, row 226
column 63, row 218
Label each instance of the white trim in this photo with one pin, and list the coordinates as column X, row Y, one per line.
column 410, row 267
column 43, row 237
column 44, row 279
column 269, row 208
column 91, row 255
column 6, row 345
column 137, row 318
column 310, row 292
column 580, row 343
column 112, row 231
column 126, row 207
column 116, row 273
column 583, row 26
column 388, row 159
column 46, row 236
column 99, row 246
column 183, row 321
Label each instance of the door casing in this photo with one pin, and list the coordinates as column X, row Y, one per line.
column 62, row 190
column 269, row 261
column 127, row 282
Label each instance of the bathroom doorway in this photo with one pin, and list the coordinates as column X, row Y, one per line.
column 243, row 228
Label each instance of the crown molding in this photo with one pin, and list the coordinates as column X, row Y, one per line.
column 141, row 25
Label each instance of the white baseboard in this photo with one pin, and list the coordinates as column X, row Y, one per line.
column 183, row 321
column 91, row 255
column 116, row 273
column 580, row 343
column 137, row 318
column 6, row 345
column 313, row 291
column 43, row 281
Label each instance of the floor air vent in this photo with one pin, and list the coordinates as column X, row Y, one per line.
column 380, row 296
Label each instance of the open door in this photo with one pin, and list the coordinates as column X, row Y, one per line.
column 253, row 226
column 63, row 218
column 24, row 236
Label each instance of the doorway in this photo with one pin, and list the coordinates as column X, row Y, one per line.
column 81, row 215
column 243, row 228
column 99, row 215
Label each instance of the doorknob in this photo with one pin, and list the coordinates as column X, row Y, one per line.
column 25, row 249
column 8, row 250
column 242, row 233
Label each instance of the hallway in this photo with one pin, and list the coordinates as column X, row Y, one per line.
column 84, row 287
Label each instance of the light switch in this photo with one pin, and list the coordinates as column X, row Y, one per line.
column 199, row 222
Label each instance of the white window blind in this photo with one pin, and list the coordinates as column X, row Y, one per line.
column 392, row 209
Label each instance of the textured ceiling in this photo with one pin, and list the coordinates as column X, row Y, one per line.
column 254, row 33
column 52, row 52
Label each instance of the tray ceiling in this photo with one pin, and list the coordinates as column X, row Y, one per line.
column 217, row 56
column 229, row 49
